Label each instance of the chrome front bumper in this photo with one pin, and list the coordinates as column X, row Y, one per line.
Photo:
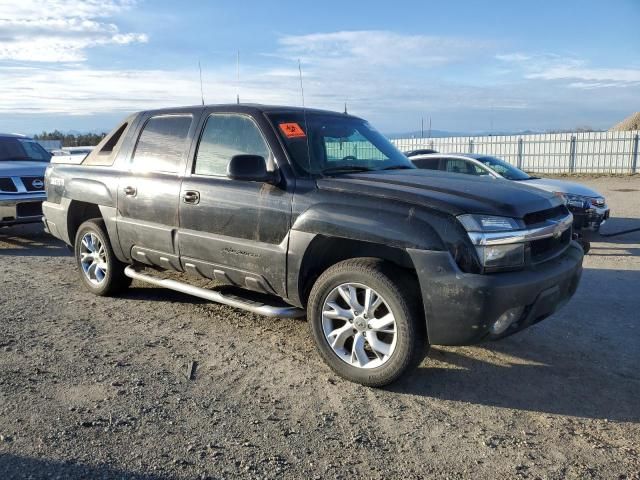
column 21, row 208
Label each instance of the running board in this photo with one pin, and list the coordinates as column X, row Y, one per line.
column 232, row 300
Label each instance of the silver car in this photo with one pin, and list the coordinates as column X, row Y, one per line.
column 589, row 208
column 22, row 165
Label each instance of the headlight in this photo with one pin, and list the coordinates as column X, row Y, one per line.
column 508, row 255
column 581, row 201
column 577, row 201
column 488, row 223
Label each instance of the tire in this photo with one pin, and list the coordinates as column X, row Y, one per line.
column 101, row 272
column 586, row 246
column 367, row 349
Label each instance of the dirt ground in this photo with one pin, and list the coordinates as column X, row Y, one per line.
column 97, row 387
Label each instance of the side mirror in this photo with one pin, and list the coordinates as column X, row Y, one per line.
column 250, row 168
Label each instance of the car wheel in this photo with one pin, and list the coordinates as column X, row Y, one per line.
column 367, row 321
column 586, row 246
column 101, row 272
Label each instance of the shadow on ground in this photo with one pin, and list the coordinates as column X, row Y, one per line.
column 30, row 241
column 16, row 467
column 581, row 362
column 613, row 244
column 158, row 294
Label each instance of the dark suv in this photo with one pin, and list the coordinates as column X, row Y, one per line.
column 312, row 212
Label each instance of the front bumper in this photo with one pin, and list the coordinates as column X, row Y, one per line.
column 21, row 208
column 589, row 220
column 461, row 308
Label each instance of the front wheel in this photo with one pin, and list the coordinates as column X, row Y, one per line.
column 366, row 320
column 586, row 246
column 101, row 272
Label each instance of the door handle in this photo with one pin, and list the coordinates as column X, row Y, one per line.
column 192, row 197
column 130, row 191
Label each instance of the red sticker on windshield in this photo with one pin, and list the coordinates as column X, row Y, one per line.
column 292, row 130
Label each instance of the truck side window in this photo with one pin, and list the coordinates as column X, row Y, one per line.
column 162, row 145
column 224, row 136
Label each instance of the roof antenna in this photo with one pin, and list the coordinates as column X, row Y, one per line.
column 201, row 92
column 238, row 78
column 304, row 116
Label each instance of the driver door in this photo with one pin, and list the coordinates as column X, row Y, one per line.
column 232, row 230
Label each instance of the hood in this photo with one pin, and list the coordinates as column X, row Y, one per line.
column 451, row 193
column 22, row 168
column 562, row 186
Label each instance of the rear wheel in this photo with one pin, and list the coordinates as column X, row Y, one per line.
column 366, row 321
column 101, row 272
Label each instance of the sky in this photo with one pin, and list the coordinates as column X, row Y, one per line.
column 467, row 66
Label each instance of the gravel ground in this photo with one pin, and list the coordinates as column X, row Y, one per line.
column 97, row 387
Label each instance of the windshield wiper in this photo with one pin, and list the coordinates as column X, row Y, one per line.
column 346, row 169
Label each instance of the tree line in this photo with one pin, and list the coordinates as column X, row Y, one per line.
column 71, row 140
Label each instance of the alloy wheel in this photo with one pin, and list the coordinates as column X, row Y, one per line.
column 359, row 325
column 93, row 258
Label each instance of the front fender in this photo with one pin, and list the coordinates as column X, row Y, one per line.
column 402, row 228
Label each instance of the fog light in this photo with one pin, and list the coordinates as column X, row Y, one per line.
column 506, row 320
column 495, row 256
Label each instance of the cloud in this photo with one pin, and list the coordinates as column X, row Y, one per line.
column 61, row 30
column 393, row 79
column 86, row 91
column 513, row 57
column 359, row 67
column 375, row 48
column 604, row 76
column 577, row 73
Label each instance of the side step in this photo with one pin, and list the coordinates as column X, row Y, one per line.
column 232, row 300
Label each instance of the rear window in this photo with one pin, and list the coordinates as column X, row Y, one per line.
column 163, row 144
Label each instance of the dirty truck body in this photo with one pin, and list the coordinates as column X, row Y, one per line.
column 306, row 210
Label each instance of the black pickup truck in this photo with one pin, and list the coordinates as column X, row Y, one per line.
column 297, row 211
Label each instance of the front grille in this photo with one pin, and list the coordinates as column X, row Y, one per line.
column 542, row 215
column 33, row 184
column 549, row 247
column 29, row 209
column 7, row 185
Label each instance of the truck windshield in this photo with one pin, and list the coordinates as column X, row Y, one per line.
column 325, row 144
column 503, row 168
column 13, row 149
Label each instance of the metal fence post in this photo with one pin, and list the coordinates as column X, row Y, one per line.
column 520, row 153
column 634, row 159
column 572, row 155
column 471, row 145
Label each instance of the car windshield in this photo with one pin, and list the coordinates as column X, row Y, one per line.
column 503, row 168
column 325, row 144
column 13, row 148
